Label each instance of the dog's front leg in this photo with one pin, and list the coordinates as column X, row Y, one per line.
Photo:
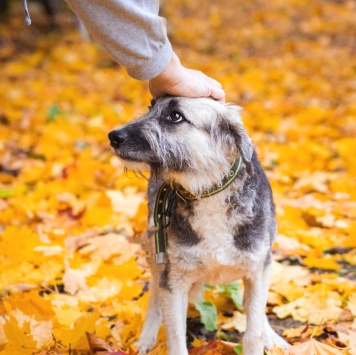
column 255, row 300
column 174, row 302
column 148, row 337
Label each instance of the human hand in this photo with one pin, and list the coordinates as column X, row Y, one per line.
column 180, row 81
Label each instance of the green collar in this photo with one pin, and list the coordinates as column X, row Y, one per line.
column 162, row 211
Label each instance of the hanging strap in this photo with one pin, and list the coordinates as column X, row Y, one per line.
column 160, row 219
column 27, row 13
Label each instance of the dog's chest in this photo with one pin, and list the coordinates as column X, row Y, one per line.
column 215, row 232
column 210, row 249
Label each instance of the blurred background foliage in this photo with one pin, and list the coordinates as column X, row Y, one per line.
column 70, row 218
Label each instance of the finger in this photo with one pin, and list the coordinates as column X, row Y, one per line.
column 210, row 79
column 215, row 82
column 218, row 94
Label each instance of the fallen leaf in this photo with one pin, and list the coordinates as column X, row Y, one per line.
column 97, row 344
column 109, row 245
column 74, row 280
column 214, row 347
column 313, row 347
column 237, row 321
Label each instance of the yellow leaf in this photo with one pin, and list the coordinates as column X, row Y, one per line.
column 198, row 342
column 275, row 351
column 106, row 246
column 351, row 304
column 76, row 335
column 74, row 280
column 20, row 339
column 317, row 260
column 312, row 347
column 32, row 304
column 237, row 321
column 66, row 316
column 315, row 307
column 126, row 203
column 297, row 332
column 103, row 290
column 159, row 349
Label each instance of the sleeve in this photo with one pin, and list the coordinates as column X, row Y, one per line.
column 130, row 31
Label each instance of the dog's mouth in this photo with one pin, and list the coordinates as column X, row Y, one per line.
column 129, row 157
column 136, row 160
column 126, row 156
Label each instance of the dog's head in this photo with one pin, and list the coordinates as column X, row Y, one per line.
column 181, row 138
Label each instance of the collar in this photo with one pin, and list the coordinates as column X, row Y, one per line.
column 216, row 188
column 164, row 201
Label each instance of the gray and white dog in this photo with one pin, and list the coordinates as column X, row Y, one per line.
column 221, row 214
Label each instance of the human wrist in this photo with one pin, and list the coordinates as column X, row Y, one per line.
column 172, row 74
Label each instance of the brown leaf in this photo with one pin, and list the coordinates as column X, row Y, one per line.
column 97, row 344
column 214, row 347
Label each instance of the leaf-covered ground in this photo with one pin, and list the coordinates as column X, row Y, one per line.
column 70, row 260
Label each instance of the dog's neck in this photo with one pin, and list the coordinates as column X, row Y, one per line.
column 214, row 189
column 207, row 182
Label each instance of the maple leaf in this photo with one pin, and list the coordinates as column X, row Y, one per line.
column 214, row 347
column 20, row 340
column 97, row 344
column 315, row 259
column 106, row 246
column 237, row 321
column 61, row 186
column 316, row 307
column 313, row 347
column 75, row 337
column 275, row 351
column 74, row 280
column 208, row 314
column 32, row 304
column 351, row 305
column 297, row 332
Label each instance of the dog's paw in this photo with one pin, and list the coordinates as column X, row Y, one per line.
column 272, row 338
column 281, row 343
column 145, row 345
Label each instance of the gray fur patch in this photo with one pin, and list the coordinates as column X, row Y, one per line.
column 181, row 228
column 164, row 279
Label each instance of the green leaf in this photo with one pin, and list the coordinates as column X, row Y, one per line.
column 238, row 349
column 208, row 314
column 21, row 189
column 7, row 193
column 233, row 291
column 53, row 111
column 36, row 156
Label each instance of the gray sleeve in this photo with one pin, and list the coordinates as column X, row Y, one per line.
column 131, row 32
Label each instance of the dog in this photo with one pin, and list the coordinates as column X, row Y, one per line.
column 216, row 223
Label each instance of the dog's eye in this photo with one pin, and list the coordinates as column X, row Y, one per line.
column 175, row 117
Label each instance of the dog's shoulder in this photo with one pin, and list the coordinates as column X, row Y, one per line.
column 252, row 211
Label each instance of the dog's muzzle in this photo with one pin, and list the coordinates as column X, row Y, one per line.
column 117, row 137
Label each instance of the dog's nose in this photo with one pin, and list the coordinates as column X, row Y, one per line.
column 117, row 137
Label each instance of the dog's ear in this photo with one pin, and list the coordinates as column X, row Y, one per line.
column 243, row 141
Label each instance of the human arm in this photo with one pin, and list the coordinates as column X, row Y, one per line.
column 130, row 31
column 133, row 34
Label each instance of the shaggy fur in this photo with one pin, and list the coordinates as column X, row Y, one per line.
column 214, row 240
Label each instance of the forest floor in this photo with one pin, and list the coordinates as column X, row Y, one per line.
column 71, row 262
